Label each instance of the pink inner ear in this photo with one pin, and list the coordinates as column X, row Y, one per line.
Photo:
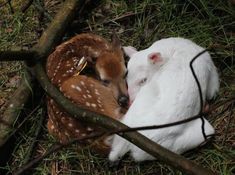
column 155, row 57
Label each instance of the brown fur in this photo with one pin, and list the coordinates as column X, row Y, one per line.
column 62, row 71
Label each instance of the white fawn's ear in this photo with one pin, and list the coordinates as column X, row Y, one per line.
column 154, row 57
column 129, row 50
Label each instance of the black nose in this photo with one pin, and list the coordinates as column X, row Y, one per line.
column 123, row 100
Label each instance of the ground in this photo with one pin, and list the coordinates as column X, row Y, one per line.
column 139, row 23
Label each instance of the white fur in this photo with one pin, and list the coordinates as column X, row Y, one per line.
column 170, row 94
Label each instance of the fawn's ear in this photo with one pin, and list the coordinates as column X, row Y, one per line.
column 154, row 57
column 129, row 50
column 116, row 43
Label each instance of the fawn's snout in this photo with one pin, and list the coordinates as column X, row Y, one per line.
column 123, row 101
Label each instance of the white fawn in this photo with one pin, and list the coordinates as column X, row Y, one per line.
column 163, row 90
column 103, row 90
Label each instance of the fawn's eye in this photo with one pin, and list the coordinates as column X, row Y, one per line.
column 141, row 82
column 105, row 82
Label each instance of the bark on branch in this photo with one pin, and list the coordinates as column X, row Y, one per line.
column 15, row 106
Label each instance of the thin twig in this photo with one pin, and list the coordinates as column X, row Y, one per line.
column 199, row 91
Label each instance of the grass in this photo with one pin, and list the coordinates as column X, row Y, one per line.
column 139, row 23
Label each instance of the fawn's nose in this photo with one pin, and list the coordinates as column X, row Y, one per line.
column 123, row 100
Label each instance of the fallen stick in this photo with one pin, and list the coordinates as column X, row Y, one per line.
column 15, row 106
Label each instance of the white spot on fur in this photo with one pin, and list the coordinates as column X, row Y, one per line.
column 78, row 88
column 68, row 52
column 70, row 125
column 88, row 104
column 93, row 105
column 89, row 129
column 82, row 82
column 52, row 127
column 66, row 133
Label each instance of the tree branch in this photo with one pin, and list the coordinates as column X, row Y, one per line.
column 18, row 55
column 15, row 105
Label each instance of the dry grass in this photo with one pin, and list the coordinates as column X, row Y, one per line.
column 138, row 23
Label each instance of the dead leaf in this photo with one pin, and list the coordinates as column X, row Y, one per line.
column 13, row 82
column 8, row 30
